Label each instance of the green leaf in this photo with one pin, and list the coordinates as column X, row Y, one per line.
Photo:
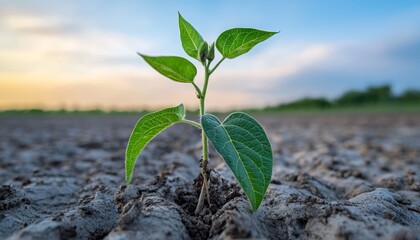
column 145, row 130
column 244, row 146
column 190, row 38
column 237, row 41
column 176, row 68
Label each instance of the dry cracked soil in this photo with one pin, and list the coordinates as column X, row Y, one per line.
column 334, row 177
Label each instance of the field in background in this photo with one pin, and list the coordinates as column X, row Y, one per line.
column 378, row 99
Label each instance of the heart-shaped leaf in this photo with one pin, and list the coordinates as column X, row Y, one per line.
column 145, row 130
column 176, row 68
column 244, row 146
column 190, row 38
column 237, row 41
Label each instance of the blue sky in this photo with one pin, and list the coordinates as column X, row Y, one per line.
column 83, row 53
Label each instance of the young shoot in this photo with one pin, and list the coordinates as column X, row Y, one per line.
column 239, row 138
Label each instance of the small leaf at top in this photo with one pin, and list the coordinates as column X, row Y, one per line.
column 176, row 68
column 145, row 130
column 190, row 38
column 210, row 54
column 244, row 146
column 237, row 41
column 203, row 51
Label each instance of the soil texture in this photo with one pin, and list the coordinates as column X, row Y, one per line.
column 335, row 177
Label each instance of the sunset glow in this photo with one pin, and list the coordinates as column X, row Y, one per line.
column 83, row 55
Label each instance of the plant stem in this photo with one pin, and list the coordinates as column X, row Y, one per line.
column 199, row 94
column 203, row 111
column 195, row 124
column 204, row 187
column 217, row 65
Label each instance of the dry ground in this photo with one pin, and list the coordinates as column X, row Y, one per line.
column 334, row 177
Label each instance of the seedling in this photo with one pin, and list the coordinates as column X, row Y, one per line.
column 239, row 139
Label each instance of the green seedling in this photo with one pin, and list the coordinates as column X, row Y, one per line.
column 239, row 139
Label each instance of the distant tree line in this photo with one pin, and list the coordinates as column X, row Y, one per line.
column 370, row 97
column 376, row 95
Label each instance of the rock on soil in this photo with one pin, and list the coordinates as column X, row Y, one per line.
column 334, row 177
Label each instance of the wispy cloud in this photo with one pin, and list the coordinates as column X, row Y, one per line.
column 354, row 65
column 35, row 25
column 37, row 40
column 52, row 60
column 324, row 69
column 41, row 63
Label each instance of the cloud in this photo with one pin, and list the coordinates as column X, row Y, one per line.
column 325, row 69
column 43, row 63
column 282, row 73
column 394, row 61
column 33, row 41
column 405, row 50
column 52, row 62
column 256, row 71
column 254, row 76
column 34, row 25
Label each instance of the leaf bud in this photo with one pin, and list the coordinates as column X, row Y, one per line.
column 203, row 51
column 210, row 54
